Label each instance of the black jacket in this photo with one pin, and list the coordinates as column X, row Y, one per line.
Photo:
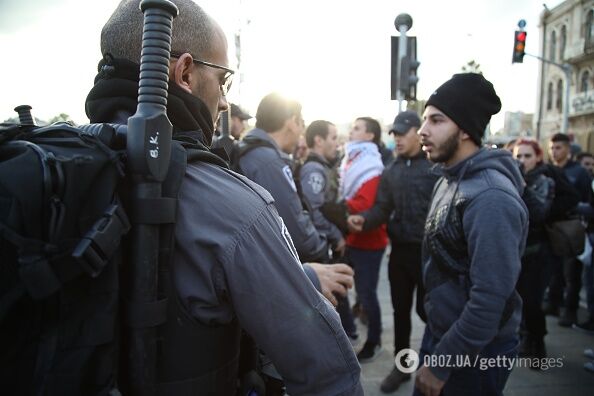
column 566, row 195
column 403, row 198
column 579, row 179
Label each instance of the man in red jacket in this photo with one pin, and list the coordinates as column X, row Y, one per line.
column 360, row 173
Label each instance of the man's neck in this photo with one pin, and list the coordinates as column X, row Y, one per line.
column 282, row 141
column 562, row 163
column 463, row 152
column 412, row 154
column 319, row 152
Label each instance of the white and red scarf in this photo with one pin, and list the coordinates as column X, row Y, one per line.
column 362, row 162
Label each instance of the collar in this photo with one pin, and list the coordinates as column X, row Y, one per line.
column 113, row 98
column 317, row 157
column 420, row 155
column 261, row 134
column 461, row 167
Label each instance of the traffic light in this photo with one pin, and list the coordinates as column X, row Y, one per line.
column 407, row 83
column 519, row 46
column 408, row 76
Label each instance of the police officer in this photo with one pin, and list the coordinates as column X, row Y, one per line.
column 234, row 264
column 319, row 186
column 265, row 160
column 317, row 183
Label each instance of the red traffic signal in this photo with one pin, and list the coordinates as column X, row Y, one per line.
column 519, row 46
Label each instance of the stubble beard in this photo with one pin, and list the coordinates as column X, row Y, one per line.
column 448, row 149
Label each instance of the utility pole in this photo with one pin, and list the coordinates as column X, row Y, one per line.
column 403, row 23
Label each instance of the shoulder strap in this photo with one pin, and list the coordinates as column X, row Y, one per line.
column 314, row 158
column 246, row 145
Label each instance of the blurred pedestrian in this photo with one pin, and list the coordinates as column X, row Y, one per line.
column 360, row 173
column 586, row 160
column 566, row 281
column 238, row 121
column 551, row 198
column 402, row 201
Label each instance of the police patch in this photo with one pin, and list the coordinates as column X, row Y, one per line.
column 317, row 182
column 289, row 175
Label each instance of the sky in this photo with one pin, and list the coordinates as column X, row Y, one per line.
column 331, row 55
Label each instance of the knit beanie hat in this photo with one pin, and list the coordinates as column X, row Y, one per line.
column 469, row 100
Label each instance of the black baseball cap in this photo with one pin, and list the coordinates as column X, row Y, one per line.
column 404, row 121
column 236, row 111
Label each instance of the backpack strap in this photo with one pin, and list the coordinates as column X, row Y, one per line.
column 250, row 143
column 44, row 268
column 305, row 204
column 246, row 145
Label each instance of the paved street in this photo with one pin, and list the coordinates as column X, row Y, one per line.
column 568, row 344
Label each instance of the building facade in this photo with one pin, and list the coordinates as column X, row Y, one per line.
column 518, row 124
column 567, row 38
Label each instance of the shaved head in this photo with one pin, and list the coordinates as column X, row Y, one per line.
column 194, row 31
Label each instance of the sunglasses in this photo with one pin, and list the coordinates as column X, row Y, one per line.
column 227, row 79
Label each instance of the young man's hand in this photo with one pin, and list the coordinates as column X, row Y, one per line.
column 340, row 248
column 427, row 383
column 334, row 278
column 355, row 223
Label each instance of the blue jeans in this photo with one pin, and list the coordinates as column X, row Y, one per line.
column 472, row 381
column 366, row 264
column 346, row 315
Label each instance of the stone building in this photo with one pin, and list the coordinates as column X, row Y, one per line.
column 567, row 38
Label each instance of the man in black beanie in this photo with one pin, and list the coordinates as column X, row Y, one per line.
column 474, row 237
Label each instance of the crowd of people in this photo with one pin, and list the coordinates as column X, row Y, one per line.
column 431, row 186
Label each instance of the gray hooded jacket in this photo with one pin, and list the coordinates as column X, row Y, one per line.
column 475, row 234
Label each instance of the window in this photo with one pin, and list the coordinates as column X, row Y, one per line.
column 553, row 47
column 559, row 103
column 562, row 42
column 584, row 81
column 588, row 27
column 550, row 96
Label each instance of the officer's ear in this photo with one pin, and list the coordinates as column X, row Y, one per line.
column 181, row 72
column 318, row 140
column 291, row 123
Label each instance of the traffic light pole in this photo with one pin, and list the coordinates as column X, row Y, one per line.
column 402, row 42
column 403, row 23
column 567, row 71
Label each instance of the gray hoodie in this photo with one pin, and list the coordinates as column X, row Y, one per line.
column 474, row 238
